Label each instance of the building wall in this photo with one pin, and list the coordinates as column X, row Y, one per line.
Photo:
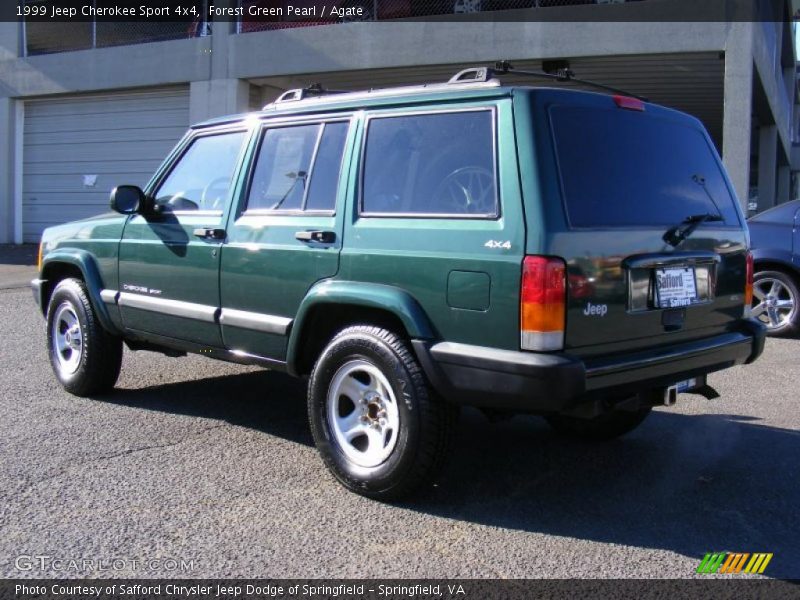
column 220, row 69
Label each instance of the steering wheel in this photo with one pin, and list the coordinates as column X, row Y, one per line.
column 468, row 190
column 221, row 185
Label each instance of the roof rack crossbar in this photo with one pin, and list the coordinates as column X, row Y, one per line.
column 293, row 95
column 472, row 75
column 563, row 75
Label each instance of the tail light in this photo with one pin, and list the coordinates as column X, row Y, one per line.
column 748, row 286
column 542, row 303
column 629, row 103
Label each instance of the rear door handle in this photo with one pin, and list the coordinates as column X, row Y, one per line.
column 323, row 237
column 209, row 234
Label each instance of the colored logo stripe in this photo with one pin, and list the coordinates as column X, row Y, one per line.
column 733, row 562
column 758, row 563
column 711, row 562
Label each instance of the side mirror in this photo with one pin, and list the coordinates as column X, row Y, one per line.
column 129, row 199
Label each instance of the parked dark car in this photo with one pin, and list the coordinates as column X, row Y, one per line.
column 775, row 239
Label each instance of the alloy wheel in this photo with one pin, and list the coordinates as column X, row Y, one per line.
column 67, row 338
column 774, row 303
column 363, row 413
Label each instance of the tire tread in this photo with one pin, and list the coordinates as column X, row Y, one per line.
column 439, row 417
column 100, row 367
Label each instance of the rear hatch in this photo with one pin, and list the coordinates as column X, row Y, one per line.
column 643, row 214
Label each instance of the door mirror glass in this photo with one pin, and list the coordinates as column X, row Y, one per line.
column 128, row 199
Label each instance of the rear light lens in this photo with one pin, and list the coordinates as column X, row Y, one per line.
column 748, row 286
column 543, row 303
column 629, row 103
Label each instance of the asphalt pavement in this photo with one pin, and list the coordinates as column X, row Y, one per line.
column 212, row 466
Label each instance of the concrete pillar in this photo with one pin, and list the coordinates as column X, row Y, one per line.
column 784, row 184
column 736, row 119
column 217, row 97
column 219, row 94
column 767, row 165
column 11, row 37
column 10, row 140
column 10, row 171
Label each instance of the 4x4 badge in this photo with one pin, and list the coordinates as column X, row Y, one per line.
column 498, row 244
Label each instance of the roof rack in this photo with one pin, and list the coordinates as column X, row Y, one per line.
column 503, row 67
column 294, row 95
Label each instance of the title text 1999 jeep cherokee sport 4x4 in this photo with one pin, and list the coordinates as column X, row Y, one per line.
column 576, row 255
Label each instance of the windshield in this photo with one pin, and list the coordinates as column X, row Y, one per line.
column 622, row 168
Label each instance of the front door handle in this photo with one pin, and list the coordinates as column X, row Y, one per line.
column 209, row 234
column 323, row 237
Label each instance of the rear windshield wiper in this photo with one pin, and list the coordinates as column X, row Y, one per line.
column 675, row 235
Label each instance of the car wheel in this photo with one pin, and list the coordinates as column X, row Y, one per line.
column 607, row 426
column 775, row 302
column 379, row 428
column 85, row 357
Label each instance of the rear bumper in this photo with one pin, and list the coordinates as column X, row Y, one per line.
column 539, row 382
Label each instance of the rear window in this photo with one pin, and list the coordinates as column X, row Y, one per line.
column 621, row 168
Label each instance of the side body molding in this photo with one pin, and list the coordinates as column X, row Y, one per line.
column 369, row 295
column 84, row 261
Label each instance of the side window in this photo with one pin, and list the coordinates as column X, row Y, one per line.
column 201, row 178
column 327, row 166
column 431, row 164
column 298, row 168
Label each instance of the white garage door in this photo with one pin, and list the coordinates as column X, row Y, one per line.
column 78, row 148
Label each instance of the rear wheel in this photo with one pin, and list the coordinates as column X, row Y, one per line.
column 85, row 358
column 380, row 429
column 607, row 426
column 775, row 302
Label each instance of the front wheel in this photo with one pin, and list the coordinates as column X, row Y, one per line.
column 607, row 426
column 379, row 428
column 85, row 358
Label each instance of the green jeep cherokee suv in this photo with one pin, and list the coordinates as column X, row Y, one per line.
column 576, row 255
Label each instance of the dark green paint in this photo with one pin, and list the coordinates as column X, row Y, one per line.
column 468, row 290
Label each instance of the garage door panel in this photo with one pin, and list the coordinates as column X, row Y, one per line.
column 96, row 198
column 107, row 122
column 60, row 183
column 111, row 104
column 137, row 134
column 73, row 168
column 120, row 138
column 98, row 151
column 44, row 214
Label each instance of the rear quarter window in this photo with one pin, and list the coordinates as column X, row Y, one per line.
column 431, row 164
column 623, row 168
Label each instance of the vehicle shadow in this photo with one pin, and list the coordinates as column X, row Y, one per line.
column 690, row 484
column 262, row 400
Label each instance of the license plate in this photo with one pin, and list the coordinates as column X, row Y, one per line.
column 675, row 286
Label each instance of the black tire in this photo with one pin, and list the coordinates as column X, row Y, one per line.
column 425, row 427
column 100, row 356
column 607, row 426
column 791, row 326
